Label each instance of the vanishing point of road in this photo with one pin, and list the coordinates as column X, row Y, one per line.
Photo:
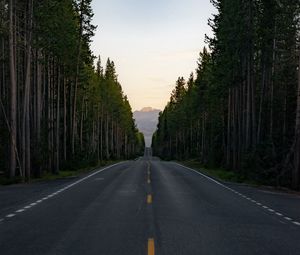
column 146, row 206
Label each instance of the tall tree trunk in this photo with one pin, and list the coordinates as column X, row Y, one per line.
column 39, row 98
column 234, row 128
column 228, row 154
column 81, row 125
column 261, row 104
column 65, row 119
column 272, row 89
column 112, row 137
column 106, row 136
column 13, row 93
column 98, row 135
column 56, row 171
column 296, row 170
column 48, row 107
column 77, row 75
column 26, row 115
column 101, row 133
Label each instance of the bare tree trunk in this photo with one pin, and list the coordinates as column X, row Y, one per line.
column 81, row 126
column 65, row 120
column 240, row 124
column 170, row 147
column 49, row 106
column 253, row 107
column 272, row 89
column 112, row 137
column 106, row 136
column 284, row 124
column 9, row 129
column 98, row 135
column 261, row 104
column 13, row 93
column 77, row 75
column 101, row 134
column 296, row 170
column 191, row 139
column 26, row 120
column 234, row 128
column 228, row 157
column 56, row 171
column 248, row 119
column 125, row 146
column 203, row 138
column 198, row 136
column 39, row 98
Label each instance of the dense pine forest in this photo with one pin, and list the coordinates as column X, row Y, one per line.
column 58, row 111
column 241, row 110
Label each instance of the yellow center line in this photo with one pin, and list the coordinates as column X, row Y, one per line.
column 148, row 181
column 151, row 247
column 149, row 199
column 149, row 176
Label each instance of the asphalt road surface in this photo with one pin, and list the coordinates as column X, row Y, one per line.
column 149, row 207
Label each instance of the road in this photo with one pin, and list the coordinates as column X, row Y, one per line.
column 149, row 207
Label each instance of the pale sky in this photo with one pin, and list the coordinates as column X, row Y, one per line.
column 152, row 43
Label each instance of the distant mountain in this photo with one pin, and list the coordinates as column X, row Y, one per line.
column 146, row 121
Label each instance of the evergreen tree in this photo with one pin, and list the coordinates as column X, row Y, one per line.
column 242, row 105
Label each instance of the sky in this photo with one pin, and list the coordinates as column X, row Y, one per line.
column 151, row 42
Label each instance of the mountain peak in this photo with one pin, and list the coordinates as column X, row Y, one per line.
column 148, row 109
column 146, row 121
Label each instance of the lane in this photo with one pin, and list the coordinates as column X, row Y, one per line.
column 282, row 204
column 17, row 196
column 194, row 215
column 105, row 214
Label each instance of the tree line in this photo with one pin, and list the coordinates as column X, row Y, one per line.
column 241, row 110
column 58, row 111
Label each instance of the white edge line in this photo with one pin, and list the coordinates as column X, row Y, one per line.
column 87, row 177
column 207, row 177
column 60, row 190
column 224, row 186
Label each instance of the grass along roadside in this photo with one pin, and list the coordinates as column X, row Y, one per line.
column 224, row 175
column 61, row 175
column 220, row 174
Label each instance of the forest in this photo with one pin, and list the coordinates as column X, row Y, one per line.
column 240, row 110
column 58, row 110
